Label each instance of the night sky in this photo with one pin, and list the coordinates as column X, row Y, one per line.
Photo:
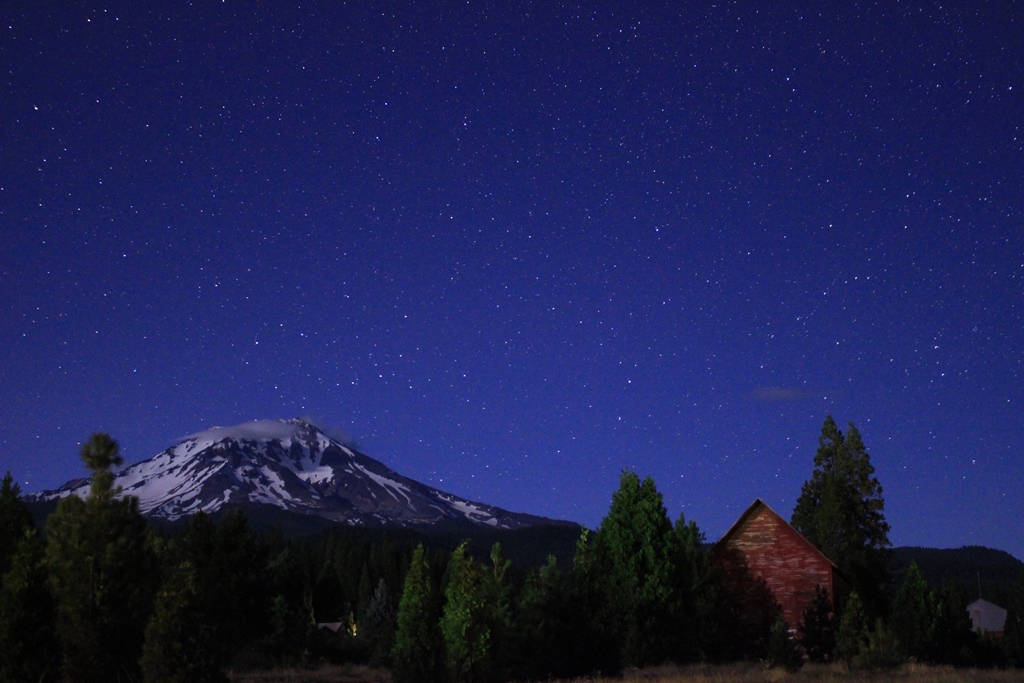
column 514, row 248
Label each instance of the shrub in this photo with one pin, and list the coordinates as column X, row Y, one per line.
column 782, row 647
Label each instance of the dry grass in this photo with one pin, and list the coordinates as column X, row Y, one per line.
column 731, row 673
column 751, row 673
column 323, row 674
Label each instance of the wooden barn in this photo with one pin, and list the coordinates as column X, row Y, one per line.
column 769, row 565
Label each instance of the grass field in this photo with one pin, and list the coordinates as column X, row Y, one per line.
column 737, row 673
column 334, row 674
column 747, row 673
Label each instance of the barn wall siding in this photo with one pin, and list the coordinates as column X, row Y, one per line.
column 777, row 554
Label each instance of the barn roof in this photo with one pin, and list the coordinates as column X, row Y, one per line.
column 757, row 506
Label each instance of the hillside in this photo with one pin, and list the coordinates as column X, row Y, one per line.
column 962, row 568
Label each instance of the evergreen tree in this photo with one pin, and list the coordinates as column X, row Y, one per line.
column 26, row 615
column 414, row 656
column 1013, row 635
column 913, row 615
column 496, row 596
column 233, row 574
column 102, row 574
column 635, row 565
column 701, row 596
column 328, row 597
column 951, row 635
column 100, row 454
column 379, row 625
column 782, row 647
column 286, row 597
column 883, row 650
column 365, row 593
column 181, row 644
column 15, row 520
column 852, row 635
column 841, row 511
column 464, row 623
column 818, row 627
column 541, row 639
column 590, row 613
column 931, row 626
column 210, row 604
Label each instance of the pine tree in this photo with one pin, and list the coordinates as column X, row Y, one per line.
column 234, row 574
column 841, row 511
column 883, row 650
column 951, row 635
column 102, row 574
column 26, row 609
column 15, row 520
column 414, row 655
column 464, row 624
column 26, row 615
column 913, row 615
column 328, row 595
column 931, row 626
column 496, row 596
column 365, row 593
column 701, row 595
column 818, row 627
column 379, row 625
column 100, row 454
column 635, row 564
column 1013, row 636
column 181, row 645
column 277, row 588
column 209, row 605
column 852, row 635
column 782, row 647
column 539, row 639
column 590, row 614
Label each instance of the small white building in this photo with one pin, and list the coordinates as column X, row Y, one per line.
column 987, row 618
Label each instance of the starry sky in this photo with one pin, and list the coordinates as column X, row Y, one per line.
column 513, row 248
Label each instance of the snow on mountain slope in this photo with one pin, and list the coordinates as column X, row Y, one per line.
column 292, row 465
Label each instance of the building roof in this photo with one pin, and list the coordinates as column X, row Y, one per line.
column 333, row 626
column 756, row 507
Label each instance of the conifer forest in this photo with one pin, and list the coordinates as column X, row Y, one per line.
column 95, row 592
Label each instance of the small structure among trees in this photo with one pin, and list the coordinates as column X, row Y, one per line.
column 770, row 567
column 987, row 618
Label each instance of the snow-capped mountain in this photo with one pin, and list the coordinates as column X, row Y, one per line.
column 292, row 465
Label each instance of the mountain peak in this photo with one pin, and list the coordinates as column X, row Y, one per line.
column 259, row 430
column 292, row 465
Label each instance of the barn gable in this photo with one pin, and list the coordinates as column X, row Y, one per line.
column 763, row 550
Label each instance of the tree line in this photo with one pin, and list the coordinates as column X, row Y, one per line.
column 97, row 594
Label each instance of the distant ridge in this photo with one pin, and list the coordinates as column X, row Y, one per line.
column 962, row 568
column 294, row 467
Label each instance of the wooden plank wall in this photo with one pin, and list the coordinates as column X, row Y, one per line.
column 786, row 561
